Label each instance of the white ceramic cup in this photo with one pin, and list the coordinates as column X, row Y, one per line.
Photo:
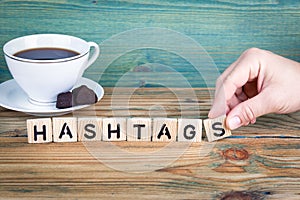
column 43, row 80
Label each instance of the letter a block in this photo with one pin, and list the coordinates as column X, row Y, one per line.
column 114, row 129
column 89, row 129
column 189, row 130
column 139, row 129
column 39, row 130
column 215, row 128
column 65, row 129
column 164, row 129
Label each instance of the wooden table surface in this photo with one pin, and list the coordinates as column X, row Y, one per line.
column 261, row 161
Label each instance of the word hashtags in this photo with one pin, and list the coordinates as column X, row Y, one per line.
column 72, row 129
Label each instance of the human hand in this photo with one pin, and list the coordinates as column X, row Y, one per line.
column 258, row 83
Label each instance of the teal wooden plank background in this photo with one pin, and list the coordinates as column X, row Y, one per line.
column 225, row 28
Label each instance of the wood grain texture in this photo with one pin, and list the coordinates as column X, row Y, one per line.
column 224, row 28
column 265, row 168
column 260, row 161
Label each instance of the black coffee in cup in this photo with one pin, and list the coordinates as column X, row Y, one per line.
column 45, row 65
column 46, row 53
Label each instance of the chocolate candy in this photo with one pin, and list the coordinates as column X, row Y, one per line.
column 83, row 95
column 79, row 96
column 64, row 100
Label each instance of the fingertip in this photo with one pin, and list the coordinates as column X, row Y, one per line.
column 212, row 111
column 233, row 122
column 253, row 121
column 211, row 114
column 216, row 112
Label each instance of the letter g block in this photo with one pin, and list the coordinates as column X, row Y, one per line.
column 189, row 130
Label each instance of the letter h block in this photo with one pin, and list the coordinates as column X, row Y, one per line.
column 216, row 129
column 114, row 129
column 39, row 130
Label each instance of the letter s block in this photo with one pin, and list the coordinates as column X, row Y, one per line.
column 39, row 130
column 189, row 130
column 215, row 128
column 89, row 129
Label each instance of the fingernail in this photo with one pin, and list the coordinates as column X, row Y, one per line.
column 234, row 122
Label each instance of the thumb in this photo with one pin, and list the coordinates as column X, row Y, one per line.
column 248, row 111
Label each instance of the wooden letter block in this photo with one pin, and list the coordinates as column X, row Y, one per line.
column 39, row 130
column 65, row 129
column 114, row 129
column 189, row 130
column 215, row 128
column 139, row 129
column 164, row 129
column 89, row 129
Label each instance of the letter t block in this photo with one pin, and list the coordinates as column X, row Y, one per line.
column 39, row 130
column 139, row 129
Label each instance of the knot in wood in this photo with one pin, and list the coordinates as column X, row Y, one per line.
column 236, row 154
column 242, row 195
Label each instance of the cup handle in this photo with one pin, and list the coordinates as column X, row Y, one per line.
column 95, row 55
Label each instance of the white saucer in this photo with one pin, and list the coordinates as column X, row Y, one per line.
column 14, row 98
